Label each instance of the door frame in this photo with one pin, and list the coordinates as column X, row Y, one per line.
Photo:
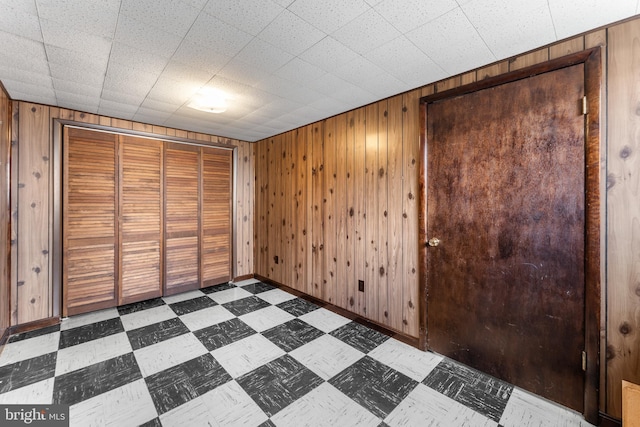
column 592, row 61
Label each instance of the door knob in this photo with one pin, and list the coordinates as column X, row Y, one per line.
column 434, row 241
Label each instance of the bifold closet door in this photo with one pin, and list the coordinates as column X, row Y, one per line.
column 216, row 216
column 90, row 239
column 140, row 213
column 182, row 217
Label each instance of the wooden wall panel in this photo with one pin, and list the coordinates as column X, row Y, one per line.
column 331, row 240
column 623, row 212
column 382, row 190
column 341, row 212
column 359, row 207
column 216, row 221
column 5, row 213
column 394, row 199
column 300, row 198
column 317, row 211
column 286, row 199
column 141, row 195
column 351, row 280
column 32, row 270
column 371, row 234
column 182, row 222
column 411, row 154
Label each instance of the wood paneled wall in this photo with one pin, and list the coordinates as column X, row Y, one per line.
column 336, row 203
column 5, row 212
column 357, row 219
column 33, row 178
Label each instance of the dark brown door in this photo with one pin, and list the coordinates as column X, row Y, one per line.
column 505, row 196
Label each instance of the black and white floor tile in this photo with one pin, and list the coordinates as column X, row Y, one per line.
column 250, row 354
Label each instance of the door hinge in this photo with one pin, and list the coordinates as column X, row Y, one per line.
column 584, row 105
column 584, row 361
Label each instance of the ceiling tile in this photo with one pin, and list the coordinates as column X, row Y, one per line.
column 89, row 17
column 65, row 59
column 24, row 76
column 80, row 89
column 328, row 15
column 138, row 59
column 15, row 19
column 148, row 115
column 328, row 54
column 85, row 103
column 299, row 71
column 152, row 104
column 264, row 56
column 23, row 53
column 172, row 16
column 352, row 34
column 453, row 41
column 124, row 79
column 329, row 106
column 406, row 62
column 358, row 69
column 71, row 39
column 216, row 36
column 282, row 88
column 38, row 97
column 230, row 87
column 284, row 3
column 44, row 90
column 354, row 96
column 144, row 37
column 240, row 71
column 199, row 57
column 250, row 16
column 25, row 6
column 410, row 14
column 117, row 109
column 122, row 97
column 291, row 33
column 174, row 92
column 176, row 70
column 571, row 17
column 511, row 28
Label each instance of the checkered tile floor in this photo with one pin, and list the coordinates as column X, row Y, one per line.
column 249, row 354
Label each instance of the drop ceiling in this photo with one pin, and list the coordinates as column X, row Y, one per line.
column 282, row 63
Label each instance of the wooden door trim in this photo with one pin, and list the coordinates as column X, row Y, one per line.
column 593, row 80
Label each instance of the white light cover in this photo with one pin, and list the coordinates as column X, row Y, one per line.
column 210, row 101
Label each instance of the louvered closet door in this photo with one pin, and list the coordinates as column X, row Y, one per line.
column 140, row 219
column 182, row 221
column 89, row 221
column 216, row 216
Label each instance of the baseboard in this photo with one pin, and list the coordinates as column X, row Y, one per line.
column 608, row 421
column 32, row 326
column 412, row 341
column 245, row 277
column 5, row 336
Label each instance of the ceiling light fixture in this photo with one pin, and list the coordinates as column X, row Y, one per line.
column 209, row 101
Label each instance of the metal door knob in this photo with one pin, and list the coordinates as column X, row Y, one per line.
column 434, row 241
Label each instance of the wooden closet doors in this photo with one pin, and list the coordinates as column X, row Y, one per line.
column 182, row 218
column 140, row 218
column 216, row 216
column 90, row 191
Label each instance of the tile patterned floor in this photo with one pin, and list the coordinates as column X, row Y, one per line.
column 249, row 354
